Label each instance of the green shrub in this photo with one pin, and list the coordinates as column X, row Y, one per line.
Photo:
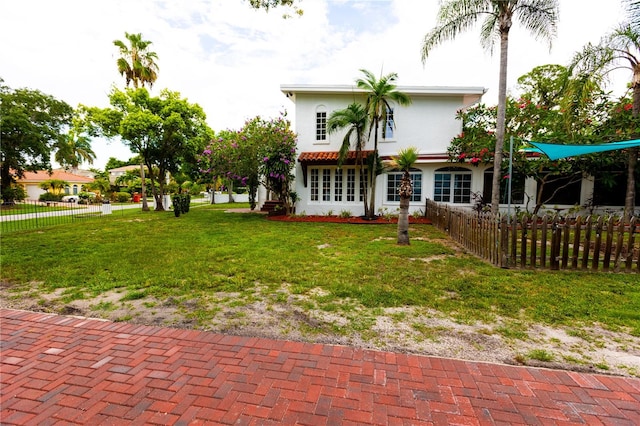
column 48, row 196
column 15, row 193
column 122, row 197
column 345, row 214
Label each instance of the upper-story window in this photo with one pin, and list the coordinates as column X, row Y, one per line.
column 321, row 124
column 390, row 125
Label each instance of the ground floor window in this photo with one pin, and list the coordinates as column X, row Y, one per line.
column 393, row 183
column 556, row 190
column 327, row 184
column 610, row 188
column 517, row 188
column 452, row 185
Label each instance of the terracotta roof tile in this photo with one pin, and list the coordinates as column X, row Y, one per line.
column 43, row 175
column 327, row 156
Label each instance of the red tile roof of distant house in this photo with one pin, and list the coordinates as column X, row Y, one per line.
column 43, row 175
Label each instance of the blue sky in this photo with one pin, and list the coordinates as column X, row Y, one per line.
column 231, row 60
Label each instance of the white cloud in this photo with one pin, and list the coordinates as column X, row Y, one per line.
column 231, row 59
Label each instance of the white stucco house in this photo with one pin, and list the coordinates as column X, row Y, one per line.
column 428, row 124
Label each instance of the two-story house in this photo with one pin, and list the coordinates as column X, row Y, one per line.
column 428, row 124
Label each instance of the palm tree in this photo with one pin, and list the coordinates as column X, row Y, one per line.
column 138, row 65
column 618, row 50
column 538, row 16
column 379, row 92
column 355, row 118
column 73, row 150
column 403, row 162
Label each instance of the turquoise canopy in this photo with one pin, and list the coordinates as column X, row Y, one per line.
column 557, row 151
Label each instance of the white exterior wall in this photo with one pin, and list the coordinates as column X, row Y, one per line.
column 429, row 124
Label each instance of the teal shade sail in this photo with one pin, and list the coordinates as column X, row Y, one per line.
column 557, row 151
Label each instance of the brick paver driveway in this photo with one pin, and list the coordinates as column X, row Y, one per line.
column 65, row 370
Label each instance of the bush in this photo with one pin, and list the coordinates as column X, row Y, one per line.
column 122, row 197
column 15, row 193
column 48, row 196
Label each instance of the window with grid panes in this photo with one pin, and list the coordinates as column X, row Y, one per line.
column 321, row 126
column 393, row 183
column 337, row 187
column 314, row 184
column 326, row 185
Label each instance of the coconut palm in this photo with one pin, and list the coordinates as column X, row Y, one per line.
column 73, row 150
column 356, row 120
column 138, row 65
column 405, row 159
column 538, row 16
column 618, row 50
column 379, row 93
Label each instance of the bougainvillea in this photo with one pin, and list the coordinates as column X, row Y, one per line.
column 263, row 151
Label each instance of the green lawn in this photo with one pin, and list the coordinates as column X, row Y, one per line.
column 207, row 251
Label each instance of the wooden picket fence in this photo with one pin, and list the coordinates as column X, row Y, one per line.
column 547, row 242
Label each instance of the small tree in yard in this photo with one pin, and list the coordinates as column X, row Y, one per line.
column 403, row 162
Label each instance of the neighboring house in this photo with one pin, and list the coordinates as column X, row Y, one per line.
column 429, row 124
column 32, row 180
column 120, row 171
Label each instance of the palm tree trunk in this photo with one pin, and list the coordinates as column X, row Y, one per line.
column 500, row 125
column 405, row 192
column 372, row 173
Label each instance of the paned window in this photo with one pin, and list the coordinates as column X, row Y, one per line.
column 452, row 184
column 314, row 185
column 351, row 184
column 326, row 185
column 321, row 126
column 337, row 191
column 393, row 183
column 390, row 124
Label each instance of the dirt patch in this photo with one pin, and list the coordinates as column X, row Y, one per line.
column 282, row 314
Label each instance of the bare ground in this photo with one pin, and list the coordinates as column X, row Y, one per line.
column 285, row 315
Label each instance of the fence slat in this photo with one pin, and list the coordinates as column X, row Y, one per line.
column 534, row 240
column 576, row 242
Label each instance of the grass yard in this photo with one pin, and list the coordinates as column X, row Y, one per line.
column 339, row 276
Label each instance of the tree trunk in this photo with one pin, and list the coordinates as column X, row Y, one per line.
column 403, row 222
column 500, row 124
column 230, row 190
column 405, row 192
column 145, row 205
column 372, row 173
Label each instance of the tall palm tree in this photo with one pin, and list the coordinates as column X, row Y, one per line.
column 619, row 49
column 538, row 16
column 405, row 159
column 136, row 62
column 356, row 120
column 138, row 65
column 379, row 92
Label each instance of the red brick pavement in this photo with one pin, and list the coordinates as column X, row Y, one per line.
column 66, row 370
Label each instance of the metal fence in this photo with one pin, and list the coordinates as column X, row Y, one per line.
column 547, row 242
column 25, row 215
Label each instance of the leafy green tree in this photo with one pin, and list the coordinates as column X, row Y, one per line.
column 165, row 131
column 378, row 93
column 455, row 16
column 405, row 159
column 619, row 49
column 31, row 122
column 541, row 113
column 356, row 120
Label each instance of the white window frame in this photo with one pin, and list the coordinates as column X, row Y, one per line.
column 458, row 190
column 396, row 177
